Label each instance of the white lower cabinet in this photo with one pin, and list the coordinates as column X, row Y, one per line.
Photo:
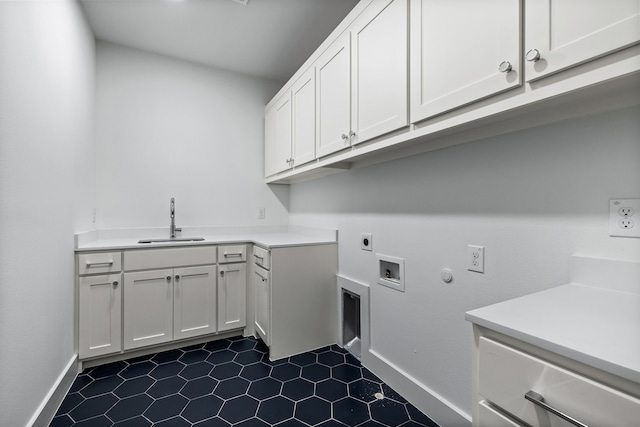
column 294, row 295
column 514, row 387
column 148, row 308
column 100, row 315
column 232, row 296
column 194, row 302
column 262, row 303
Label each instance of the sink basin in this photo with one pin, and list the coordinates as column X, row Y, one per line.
column 174, row 239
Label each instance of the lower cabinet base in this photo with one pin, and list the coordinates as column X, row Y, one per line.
column 89, row 363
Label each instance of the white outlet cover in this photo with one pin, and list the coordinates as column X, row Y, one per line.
column 624, row 217
column 475, row 258
column 366, row 242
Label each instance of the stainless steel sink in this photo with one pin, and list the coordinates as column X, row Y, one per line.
column 173, row 239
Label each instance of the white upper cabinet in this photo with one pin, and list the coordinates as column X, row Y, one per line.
column 333, row 103
column 379, row 70
column 278, row 136
column 564, row 33
column 462, row 51
column 303, row 103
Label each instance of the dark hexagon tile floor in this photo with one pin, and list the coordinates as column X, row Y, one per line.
column 232, row 383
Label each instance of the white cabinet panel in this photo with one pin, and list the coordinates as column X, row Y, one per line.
column 569, row 32
column 148, row 308
column 303, row 98
column 232, row 253
column 232, row 297
column 171, row 257
column 282, row 153
column 455, row 55
column 269, row 141
column 194, row 301
column 100, row 315
column 99, row 262
column 489, row 417
column 379, row 70
column 261, row 279
column 333, row 102
column 506, row 375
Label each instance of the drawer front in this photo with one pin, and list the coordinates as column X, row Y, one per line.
column 261, row 257
column 488, row 417
column 507, row 374
column 103, row 262
column 167, row 258
column 232, row 253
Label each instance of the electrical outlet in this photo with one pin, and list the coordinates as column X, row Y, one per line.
column 623, row 217
column 94, row 214
column 475, row 258
column 261, row 213
column 366, row 242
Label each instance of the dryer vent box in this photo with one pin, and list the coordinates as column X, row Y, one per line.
column 391, row 272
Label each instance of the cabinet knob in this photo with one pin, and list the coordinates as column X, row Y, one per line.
column 222, row 273
column 352, row 133
column 505, row 67
column 177, row 277
column 344, row 136
column 263, row 279
column 115, row 283
column 532, row 55
column 168, row 278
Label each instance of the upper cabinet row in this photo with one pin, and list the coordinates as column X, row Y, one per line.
column 406, row 61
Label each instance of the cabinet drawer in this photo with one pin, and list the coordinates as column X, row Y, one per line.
column 262, row 257
column 234, row 253
column 166, row 258
column 102, row 262
column 489, row 417
column 507, row 374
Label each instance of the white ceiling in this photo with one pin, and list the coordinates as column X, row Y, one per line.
column 267, row 38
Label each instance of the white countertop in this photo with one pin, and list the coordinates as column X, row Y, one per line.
column 273, row 237
column 595, row 326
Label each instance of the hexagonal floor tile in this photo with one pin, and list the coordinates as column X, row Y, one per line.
column 389, row 413
column 196, row 370
column 364, row 390
column 222, row 356
column 346, row 373
column 256, row 371
column 217, row 345
column 297, row 389
column 166, row 387
column 166, row 370
column 313, row 411
column 165, row 408
column 137, row 370
column 139, row 421
column 199, row 387
column 248, row 357
column 194, row 356
column 93, row 407
column 285, row 372
column 303, row 359
column 239, row 409
column 101, row 386
column 330, row 358
column 167, row 356
column 350, row 411
column 275, row 410
column 202, row 408
column 231, row 388
column 129, row 407
column 242, row 345
column 264, row 388
column 107, row 370
column 316, row 372
column 226, row 370
column 331, row 390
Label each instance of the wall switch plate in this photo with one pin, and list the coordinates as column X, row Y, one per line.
column 366, row 242
column 624, row 217
column 475, row 258
column 261, row 213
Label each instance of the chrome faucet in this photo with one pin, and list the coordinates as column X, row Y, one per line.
column 173, row 229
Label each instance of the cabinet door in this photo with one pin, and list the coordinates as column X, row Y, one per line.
column 194, row 301
column 269, row 141
column 262, row 298
column 232, row 297
column 148, row 308
column 303, row 99
column 569, row 32
column 379, row 70
column 333, row 102
column 100, row 315
column 457, row 49
column 282, row 153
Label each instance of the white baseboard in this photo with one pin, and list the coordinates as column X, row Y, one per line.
column 52, row 401
column 419, row 395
